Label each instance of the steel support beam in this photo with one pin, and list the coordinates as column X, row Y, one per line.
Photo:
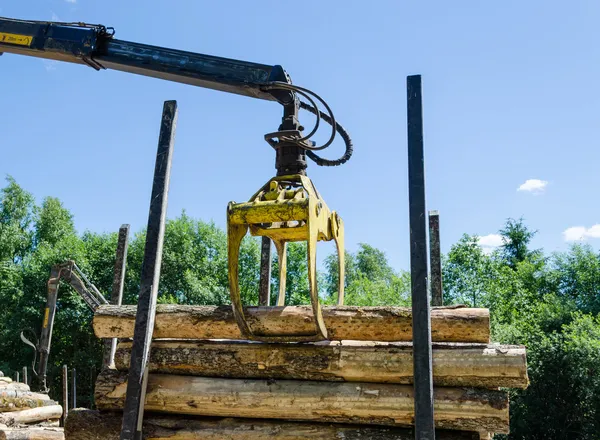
column 116, row 297
column 133, row 413
column 65, row 386
column 73, row 388
column 264, row 291
column 435, row 259
column 421, row 317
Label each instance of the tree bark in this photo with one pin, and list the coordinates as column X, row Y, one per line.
column 32, row 434
column 24, row 402
column 454, row 364
column 448, row 324
column 95, row 425
column 379, row 404
column 32, row 415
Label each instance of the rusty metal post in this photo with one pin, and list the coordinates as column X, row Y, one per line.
column 435, row 259
column 264, row 291
column 116, row 297
column 65, row 384
column 421, row 314
column 133, row 413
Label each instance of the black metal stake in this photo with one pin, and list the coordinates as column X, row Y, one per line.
column 116, row 297
column 264, row 291
column 65, row 384
column 73, row 388
column 133, row 413
column 435, row 259
column 421, row 320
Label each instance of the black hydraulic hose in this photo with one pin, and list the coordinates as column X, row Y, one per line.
column 342, row 132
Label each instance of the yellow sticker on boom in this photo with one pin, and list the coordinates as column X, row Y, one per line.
column 46, row 313
column 20, row 40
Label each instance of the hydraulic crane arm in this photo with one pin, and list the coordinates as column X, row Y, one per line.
column 67, row 271
column 95, row 46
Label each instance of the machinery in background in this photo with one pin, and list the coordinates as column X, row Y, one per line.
column 69, row 272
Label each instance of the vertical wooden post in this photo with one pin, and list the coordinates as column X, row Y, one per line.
column 435, row 256
column 25, row 378
column 65, row 384
column 264, row 291
column 133, row 412
column 421, row 314
column 110, row 345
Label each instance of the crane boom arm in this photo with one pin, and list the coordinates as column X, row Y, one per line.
column 95, row 46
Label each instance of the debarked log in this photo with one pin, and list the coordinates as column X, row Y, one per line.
column 15, row 393
column 465, row 409
column 454, row 364
column 32, row 415
column 387, row 324
column 85, row 424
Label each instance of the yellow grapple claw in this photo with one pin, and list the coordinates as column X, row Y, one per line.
column 286, row 209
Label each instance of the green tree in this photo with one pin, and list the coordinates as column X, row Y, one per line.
column 16, row 218
column 516, row 237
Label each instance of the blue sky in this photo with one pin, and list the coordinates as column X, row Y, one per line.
column 511, row 94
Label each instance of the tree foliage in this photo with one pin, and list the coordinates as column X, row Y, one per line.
column 550, row 304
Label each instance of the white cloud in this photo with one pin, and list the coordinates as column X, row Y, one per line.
column 489, row 242
column 534, row 186
column 581, row 233
column 50, row 65
column 71, row 1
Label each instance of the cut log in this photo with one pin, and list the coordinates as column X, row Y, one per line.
column 341, row 402
column 32, row 415
column 388, row 324
column 14, row 386
column 24, row 402
column 13, row 393
column 94, row 425
column 454, row 364
column 32, row 434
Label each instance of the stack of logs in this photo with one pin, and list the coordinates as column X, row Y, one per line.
column 25, row 415
column 207, row 383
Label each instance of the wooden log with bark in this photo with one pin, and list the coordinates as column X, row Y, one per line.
column 388, row 324
column 32, row 434
column 21, row 402
column 32, row 415
column 454, row 364
column 15, row 392
column 94, row 425
column 465, row 409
